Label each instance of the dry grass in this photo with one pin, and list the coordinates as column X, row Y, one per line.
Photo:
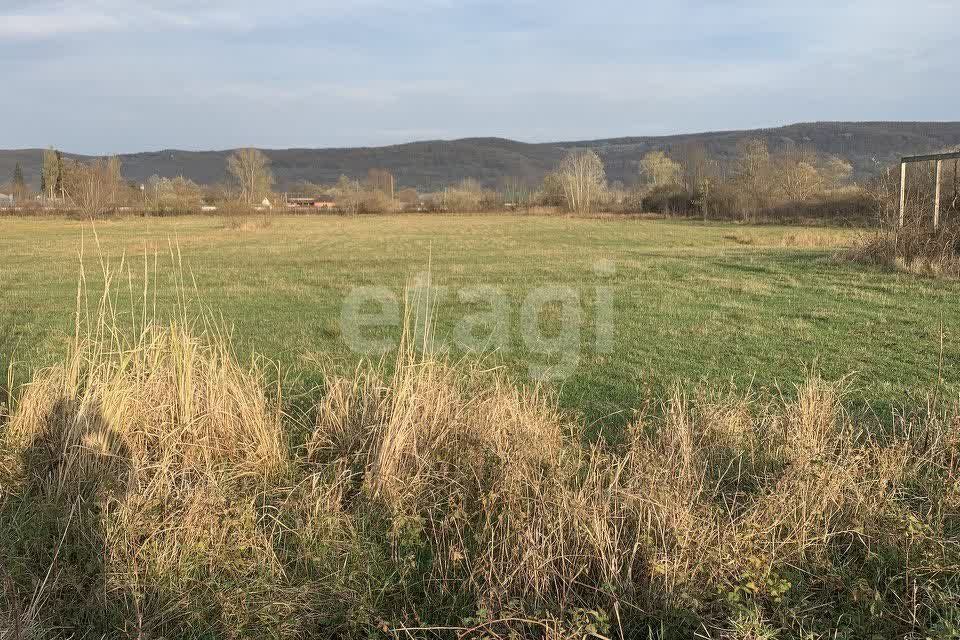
column 152, row 486
column 913, row 249
column 802, row 238
column 246, row 222
column 133, row 453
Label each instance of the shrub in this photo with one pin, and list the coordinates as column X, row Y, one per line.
column 466, row 197
column 669, row 200
column 849, row 205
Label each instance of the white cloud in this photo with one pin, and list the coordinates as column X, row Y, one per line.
column 48, row 25
column 51, row 19
column 366, row 71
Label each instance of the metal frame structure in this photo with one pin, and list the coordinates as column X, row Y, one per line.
column 939, row 157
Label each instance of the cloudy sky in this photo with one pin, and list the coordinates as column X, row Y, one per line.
column 105, row 76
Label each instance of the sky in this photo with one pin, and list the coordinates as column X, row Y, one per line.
column 107, row 76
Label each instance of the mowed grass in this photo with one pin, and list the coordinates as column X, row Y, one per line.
column 758, row 306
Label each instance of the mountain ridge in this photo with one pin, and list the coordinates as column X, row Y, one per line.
column 432, row 164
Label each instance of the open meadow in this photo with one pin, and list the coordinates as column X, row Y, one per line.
column 158, row 482
column 758, row 306
column 479, row 320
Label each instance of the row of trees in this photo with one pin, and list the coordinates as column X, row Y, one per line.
column 94, row 187
column 689, row 182
column 97, row 186
column 754, row 181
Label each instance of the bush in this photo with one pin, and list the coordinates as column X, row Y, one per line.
column 723, row 201
column 466, row 197
column 850, row 205
column 669, row 200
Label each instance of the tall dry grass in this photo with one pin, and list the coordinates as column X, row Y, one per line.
column 914, row 249
column 130, row 466
column 153, row 486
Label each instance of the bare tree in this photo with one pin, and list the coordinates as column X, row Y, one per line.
column 800, row 173
column 250, row 169
column 113, row 181
column 835, row 171
column 354, row 197
column 583, row 179
column 657, row 169
column 381, row 180
column 753, row 171
column 95, row 187
column 177, row 194
column 698, row 167
column 466, row 196
column 796, row 174
column 349, row 195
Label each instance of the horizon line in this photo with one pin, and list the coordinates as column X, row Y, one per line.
column 492, row 137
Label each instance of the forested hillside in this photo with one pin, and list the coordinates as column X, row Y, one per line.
column 431, row 165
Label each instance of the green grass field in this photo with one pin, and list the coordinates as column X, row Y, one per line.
column 758, row 306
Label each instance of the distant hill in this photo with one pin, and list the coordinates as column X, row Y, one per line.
column 433, row 164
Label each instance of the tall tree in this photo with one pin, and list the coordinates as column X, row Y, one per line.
column 583, row 178
column 19, row 183
column 18, row 180
column 50, row 178
column 753, row 170
column 95, row 187
column 250, row 169
column 58, row 187
column 698, row 167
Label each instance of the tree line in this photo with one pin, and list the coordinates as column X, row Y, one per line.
column 754, row 183
column 97, row 186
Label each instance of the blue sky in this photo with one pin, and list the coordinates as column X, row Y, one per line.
column 107, row 76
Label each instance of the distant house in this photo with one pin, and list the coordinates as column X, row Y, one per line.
column 308, row 202
column 6, row 200
column 298, row 202
column 324, row 202
column 419, row 206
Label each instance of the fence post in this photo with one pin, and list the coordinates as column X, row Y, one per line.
column 903, row 192
column 936, row 198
